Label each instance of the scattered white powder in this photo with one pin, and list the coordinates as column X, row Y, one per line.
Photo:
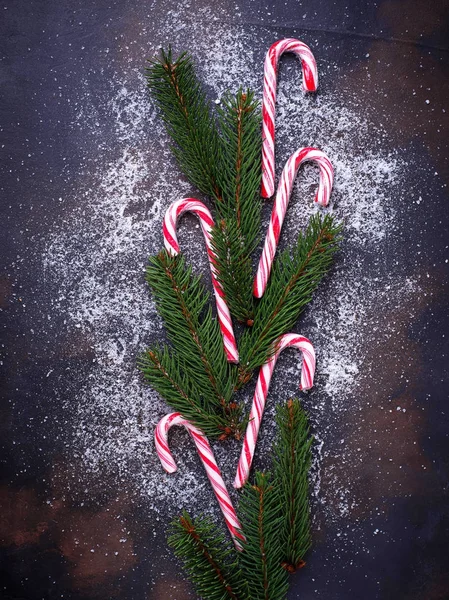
column 97, row 260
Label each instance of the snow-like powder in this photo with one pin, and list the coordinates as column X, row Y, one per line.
column 97, row 261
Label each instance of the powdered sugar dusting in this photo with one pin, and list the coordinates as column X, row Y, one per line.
column 97, row 259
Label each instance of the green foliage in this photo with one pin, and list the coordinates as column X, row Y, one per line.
column 261, row 557
column 221, row 156
column 239, row 175
column 188, row 120
column 292, row 458
column 163, row 370
column 184, row 304
column 209, row 560
column 294, row 277
column 222, row 159
column 198, row 364
column 234, row 269
column 236, row 234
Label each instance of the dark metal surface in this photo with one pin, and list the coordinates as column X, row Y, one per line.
column 49, row 526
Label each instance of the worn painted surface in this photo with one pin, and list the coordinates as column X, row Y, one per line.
column 82, row 525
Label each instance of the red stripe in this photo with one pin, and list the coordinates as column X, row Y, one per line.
column 169, row 238
column 306, row 368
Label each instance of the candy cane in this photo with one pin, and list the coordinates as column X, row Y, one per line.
column 280, row 207
column 261, row 392
column 208, row 460
column 310, row 84
column 171, row 244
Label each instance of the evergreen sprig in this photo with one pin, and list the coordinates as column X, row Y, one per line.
column 236, row 234
column 294, row 277
column 274, row 513
column 221, row 155
column 184, row 304
column 208, row 558
column 234, row 269
column 198, row 363
column 261, row 557
column 239, row 174
column 292, row 459
column 188, row 119
column 163, row 370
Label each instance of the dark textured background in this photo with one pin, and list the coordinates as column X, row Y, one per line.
column 40, row 557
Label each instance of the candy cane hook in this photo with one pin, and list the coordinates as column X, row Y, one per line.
column 207, row 458
column 260, row 395
column 310, row 84
column 172, row 215
column 280, row 207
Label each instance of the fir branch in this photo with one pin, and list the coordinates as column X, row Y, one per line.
column 261, row 557
column 208, row 559
column 183, row 303
column 234, row 269
column 240, row 175
column 223, row 164
column 186, row 114
column 293, row 280
column 163, row 371
column 236, row 234
column 292, row 459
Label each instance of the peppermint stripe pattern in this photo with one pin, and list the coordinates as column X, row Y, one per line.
column 171, row 244
column 207, row 458
column 289, row 340
column 310, row 84
column 281, row 203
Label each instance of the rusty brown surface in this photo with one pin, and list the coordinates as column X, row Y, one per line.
column 53, row 545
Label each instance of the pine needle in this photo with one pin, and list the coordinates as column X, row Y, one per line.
column 188, row 120
column 236, row 234
column 198, row 358
column 261, row 557
column 208, row 559
column 163, row 370
column 293, row 280
column 292, row 459
column 239, row 176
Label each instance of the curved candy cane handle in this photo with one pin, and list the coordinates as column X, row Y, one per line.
column 280, row 207
column 172, row 215
column 260, row 396
column 207, row 458
column 310, row 84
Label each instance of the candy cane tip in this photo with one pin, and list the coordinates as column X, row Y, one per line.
column 267, row 191
column 170, row 468
column 257, row 293
column 322, row 203
column 310, row 87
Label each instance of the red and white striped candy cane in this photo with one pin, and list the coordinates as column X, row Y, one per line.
column 310, row 84
column 260, row 395
column 280, row 207
column 207, row 458
column 171, row 244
